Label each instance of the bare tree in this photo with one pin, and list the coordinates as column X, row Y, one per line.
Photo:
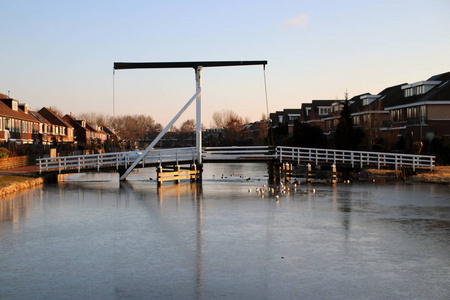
column 188, row 126
column 57, row 111
column 223, row 117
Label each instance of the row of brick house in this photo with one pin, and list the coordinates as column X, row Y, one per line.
column 413, row 112
column 22, row 126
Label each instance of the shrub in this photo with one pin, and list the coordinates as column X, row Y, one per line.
column 4, row 152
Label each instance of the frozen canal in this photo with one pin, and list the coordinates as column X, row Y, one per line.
column 91, row 239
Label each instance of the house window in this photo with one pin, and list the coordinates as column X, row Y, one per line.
column 15, row 106
column 293, row 117
column 280, row 119
column 395, row 115
column 423, row 113
column 324, row 111
column 419, row 90
column 307, row 111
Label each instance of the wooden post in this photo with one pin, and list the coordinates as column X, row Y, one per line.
column 308, row 174
column 159, row 176
column 194, row 169
column 334, row 175
column 176, row 169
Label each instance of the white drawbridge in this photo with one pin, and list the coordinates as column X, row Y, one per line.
column 197, row 66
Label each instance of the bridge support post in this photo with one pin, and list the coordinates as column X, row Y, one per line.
column 176, row 170
column 274, row 172
column 159, row 175
column 334, row 174
column 286, row 172
column 309, row 173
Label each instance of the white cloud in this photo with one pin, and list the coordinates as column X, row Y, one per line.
column 300, row 20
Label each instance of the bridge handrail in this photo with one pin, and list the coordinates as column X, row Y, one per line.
column 238, row 152
column 114, row 159
column 352, row 157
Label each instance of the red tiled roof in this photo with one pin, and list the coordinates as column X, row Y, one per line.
column 19, row 114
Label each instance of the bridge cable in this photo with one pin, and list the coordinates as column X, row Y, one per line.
column 267, row 107
column 114, row 93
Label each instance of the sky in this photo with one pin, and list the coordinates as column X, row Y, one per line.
column 61, row 53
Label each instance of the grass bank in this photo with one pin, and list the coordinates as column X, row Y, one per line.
column 12, row 183
column 440, row 175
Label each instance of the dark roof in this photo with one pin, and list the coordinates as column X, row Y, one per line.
column 53, row 117
column 39, row 117
column 71, row 120
column 322, row 102
column 440, row 92
column 6, row 111
column 292, row 111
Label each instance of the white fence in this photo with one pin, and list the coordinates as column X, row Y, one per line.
column 116, row 159
column 238, row 153
column 246, row 153
column 354, row 158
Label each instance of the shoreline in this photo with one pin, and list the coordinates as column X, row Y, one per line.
column 440, row 175
column 17, row 181
column 13, row 183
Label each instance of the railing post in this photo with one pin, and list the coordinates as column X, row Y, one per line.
column 353, row 160
column 396, row 166
column 40, row 167
column 59, row 166
column 361, row 159
column 298, row 156
column 281, row 155
column 378, row 155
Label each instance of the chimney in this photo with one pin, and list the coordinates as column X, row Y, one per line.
column 9, row 94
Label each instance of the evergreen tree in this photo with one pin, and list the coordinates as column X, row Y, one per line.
column 306, row 135
column 344, row 136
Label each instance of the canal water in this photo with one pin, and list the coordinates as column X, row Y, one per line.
column 93, row 237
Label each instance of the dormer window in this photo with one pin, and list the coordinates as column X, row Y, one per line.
column 324, row 110
column 24, row 107
column 419, row 88
column 308, row 109
column 367, row 99
column 15, row 105
column 293, row 117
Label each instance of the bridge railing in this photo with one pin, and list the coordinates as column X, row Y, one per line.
column 116, row 159
column 238, row 153
column 355, row 158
